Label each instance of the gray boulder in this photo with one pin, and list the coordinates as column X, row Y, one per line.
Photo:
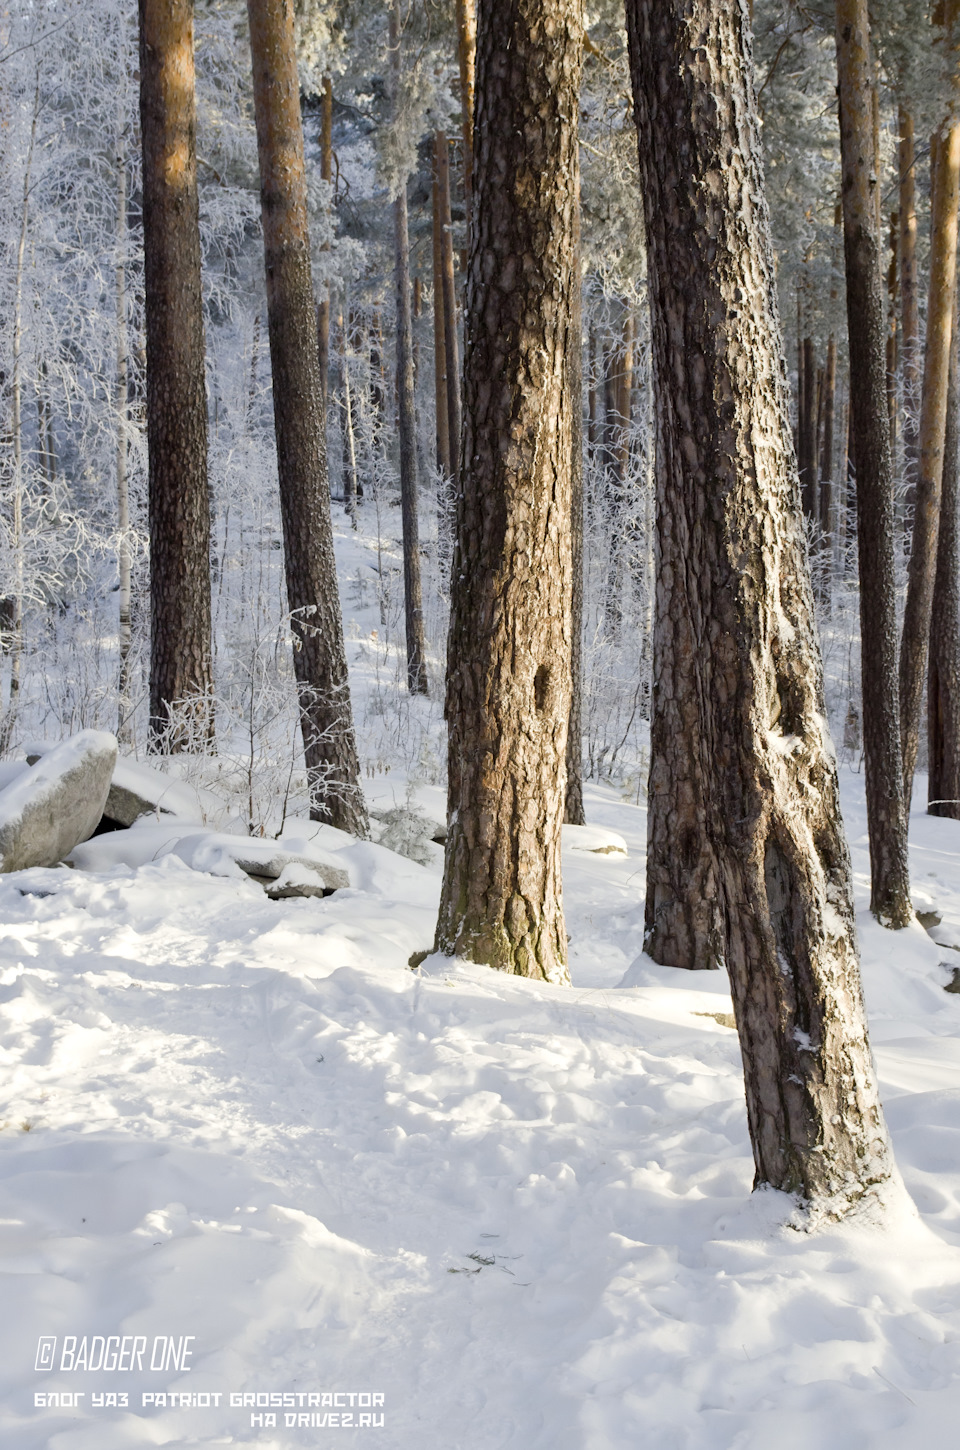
column 57, row 803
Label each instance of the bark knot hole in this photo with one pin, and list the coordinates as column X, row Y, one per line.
column 541, row 684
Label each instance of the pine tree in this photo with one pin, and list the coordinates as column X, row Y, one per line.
column 180, row 646
column 743, row 801
column 319, row 654
column 508, row 682
column 870, row 435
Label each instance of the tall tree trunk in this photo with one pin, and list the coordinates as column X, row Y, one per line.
column 407, row 415
column 870, row 438
column 943, row 686
column 319, row 655
column 351, row 487
column 827, row 518
column 893, row 360
column 45, row 444
column 742, row 771
column 573, row 803
column 467, row 57
column 124, row 562
column 326, row 174
column 179, row 503
column 909, row 302
column 444, row 461
column 921, row 571
column 451, row 350
column 808, row 431
column 508, row 681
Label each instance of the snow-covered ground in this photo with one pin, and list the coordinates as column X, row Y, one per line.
column 521, row 1214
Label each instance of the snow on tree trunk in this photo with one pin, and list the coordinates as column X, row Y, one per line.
column 743, row 802
column 508, row 684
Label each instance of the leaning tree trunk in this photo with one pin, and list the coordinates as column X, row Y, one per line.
column 319, row 655
column 179, row 505
column 870, row 447
column 922, row 569
column 943, row 685
column 407, row 416
column 744, row 772
column 508, row 680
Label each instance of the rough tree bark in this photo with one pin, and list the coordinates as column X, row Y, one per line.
column 870, row 447
column 407, row 415
column 319, row 655
column 943, row 686
column 508, row 681
column 922, row 568
column 742, row 761
column 179, row 505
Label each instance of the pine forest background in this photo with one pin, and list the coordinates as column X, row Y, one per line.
column 72, row 356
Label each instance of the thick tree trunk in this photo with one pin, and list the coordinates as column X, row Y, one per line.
column 870, row 446
column 909, row 302
column 319, row 655
column 441, row 400
column 407, row 416
column 743, row 774
column 943, row 687
column 921, row 571
column 508, row 682
column 179, row 505
column 450, row 345
column 326, row 174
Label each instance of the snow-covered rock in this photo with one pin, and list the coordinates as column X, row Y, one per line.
column 224, row 855
column 58, row 802
column 297, row 880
